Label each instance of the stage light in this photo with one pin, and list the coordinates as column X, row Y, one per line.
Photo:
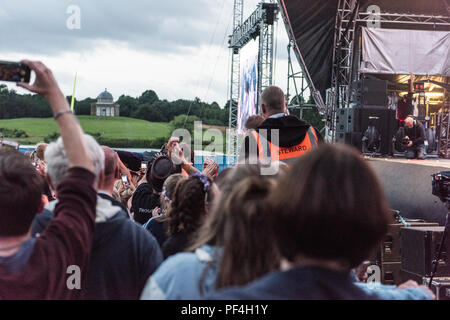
column 434, row 94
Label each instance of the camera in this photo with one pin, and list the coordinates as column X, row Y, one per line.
column 441, row 185
column 405, row 141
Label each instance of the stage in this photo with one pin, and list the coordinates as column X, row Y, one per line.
column 407, row 185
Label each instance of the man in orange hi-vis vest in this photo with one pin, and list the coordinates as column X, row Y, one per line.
column 281, row 137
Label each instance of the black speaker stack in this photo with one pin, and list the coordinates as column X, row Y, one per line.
column 419, row 247
column 369, row 108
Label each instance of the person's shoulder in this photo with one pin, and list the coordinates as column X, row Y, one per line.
column 252, row 291
column 179, row 264
column 286, row 121
column 145, row 186
column 41, row 221
column 137, row 230
column 264, row 288
column 155, row 223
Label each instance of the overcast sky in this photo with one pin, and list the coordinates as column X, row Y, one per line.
column 177, row 48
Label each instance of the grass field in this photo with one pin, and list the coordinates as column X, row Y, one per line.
column 110, row 129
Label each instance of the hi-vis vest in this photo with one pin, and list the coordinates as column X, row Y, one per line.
column 268, row 151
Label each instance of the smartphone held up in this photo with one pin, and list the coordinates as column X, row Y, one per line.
column 14, row 72
column 125, row 179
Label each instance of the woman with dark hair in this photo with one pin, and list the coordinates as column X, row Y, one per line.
column 187, row 212
column 233, row 247
column 330, row 213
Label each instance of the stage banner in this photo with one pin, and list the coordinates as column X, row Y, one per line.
column 394, row 51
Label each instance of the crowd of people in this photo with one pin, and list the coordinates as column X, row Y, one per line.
column 82, row 221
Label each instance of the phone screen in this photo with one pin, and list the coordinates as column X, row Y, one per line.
column 14, row 72
column 125, row 179
column 143, row 165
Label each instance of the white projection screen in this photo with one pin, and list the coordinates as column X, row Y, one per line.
column 248, row 91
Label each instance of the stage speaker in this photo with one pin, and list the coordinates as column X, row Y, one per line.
column 344, row 124
column 345, row 120
column 382, row 119
column 419, row 246
column 391, row 273
column 370, row 92
column 354, row 139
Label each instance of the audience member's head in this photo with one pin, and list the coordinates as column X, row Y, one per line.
column 240, row 225
column 254, row 122
column 273, row 101
column 21, row 191
column 58, row 162
column 111, row 171
column 409, row 122
column 189, row 204
column 162, row 167
column 223, row 176
column 168, row 190
column 40, row 151
column 330, row 209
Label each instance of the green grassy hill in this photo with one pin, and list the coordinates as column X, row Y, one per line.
column 115, row 132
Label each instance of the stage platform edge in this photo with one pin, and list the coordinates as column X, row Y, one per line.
column 407, row 185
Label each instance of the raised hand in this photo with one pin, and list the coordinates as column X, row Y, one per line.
column 210, row 168
column 44, row 84
column 177, row 155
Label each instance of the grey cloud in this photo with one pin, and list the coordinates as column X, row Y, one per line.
column 163, row 26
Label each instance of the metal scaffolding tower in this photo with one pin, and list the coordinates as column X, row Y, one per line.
column 232, row 139
column 296, row 78
column 341, row 78
column 265, row 63
column 259, row 24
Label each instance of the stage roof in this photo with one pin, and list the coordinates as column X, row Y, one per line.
column 312, row 24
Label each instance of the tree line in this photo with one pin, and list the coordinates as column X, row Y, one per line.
column 148, row 107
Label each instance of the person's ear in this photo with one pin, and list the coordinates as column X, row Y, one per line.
column 263, row 108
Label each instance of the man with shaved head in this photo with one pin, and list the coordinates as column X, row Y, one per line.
column 280, row 137
column 415, row 134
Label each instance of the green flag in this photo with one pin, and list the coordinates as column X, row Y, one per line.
column 73, row 94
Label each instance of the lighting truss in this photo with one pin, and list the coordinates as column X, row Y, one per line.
column 259, row 24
